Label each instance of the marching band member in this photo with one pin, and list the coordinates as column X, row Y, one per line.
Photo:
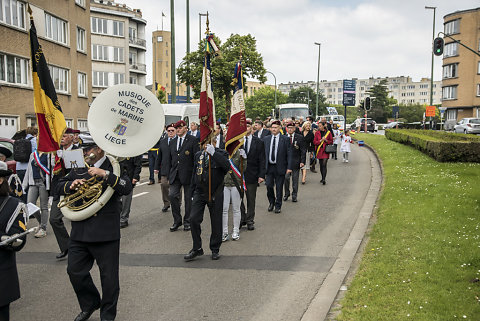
column 96, row 238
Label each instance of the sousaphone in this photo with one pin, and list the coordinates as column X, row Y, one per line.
column 125, row 121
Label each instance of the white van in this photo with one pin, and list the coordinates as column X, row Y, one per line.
column 337, row 119
column 176, row 112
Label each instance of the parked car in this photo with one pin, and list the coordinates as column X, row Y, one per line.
column 371, row 125
column 468, row 126
column 393, row 124
column 8, row 143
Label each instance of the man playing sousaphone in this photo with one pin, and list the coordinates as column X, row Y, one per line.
column 96, row 238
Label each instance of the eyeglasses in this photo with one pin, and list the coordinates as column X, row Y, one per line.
column 170, row 130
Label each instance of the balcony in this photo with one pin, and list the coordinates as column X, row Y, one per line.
column 138, row 42
column 137, row 67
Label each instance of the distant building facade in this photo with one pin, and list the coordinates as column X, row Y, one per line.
column 461, row 67
column 64, row 34
column 403, row 89
column 251, row 86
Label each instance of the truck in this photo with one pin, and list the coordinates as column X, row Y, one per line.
column 176, row 112
column 292, row 110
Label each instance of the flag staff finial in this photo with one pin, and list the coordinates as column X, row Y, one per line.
column 29, row 10
column 208, row 24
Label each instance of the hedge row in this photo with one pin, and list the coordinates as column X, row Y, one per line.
column 442, row 146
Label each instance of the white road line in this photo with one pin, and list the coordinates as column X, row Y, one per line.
column 140, row 194
column 140, row 184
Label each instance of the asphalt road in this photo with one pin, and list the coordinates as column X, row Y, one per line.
column 271, row 273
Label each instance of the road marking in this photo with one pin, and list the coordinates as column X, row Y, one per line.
column 140, row 194
column 140, row 184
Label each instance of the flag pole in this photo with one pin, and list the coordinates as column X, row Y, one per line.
column 241, row 158
column 210, row 136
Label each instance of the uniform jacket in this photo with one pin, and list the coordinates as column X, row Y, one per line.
column 255, row 161
column 284, row 153
column 9, row 285
column 219, row 166
column 162, row 163
column 105, row 224
column 265, row 132
column 298, row 150
column 131, row 167
column 181, row 162
column 316, row 141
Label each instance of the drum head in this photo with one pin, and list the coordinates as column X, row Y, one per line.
column 126, row 120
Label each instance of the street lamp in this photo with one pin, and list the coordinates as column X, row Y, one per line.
column 318, row 76
column 200, row 15
column 308, row 98
column 431, row 75
column 275, row 87
column 188, row 42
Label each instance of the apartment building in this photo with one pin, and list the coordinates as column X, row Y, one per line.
column 63, row 32
column 403, row 89
column 251, row 86
column 118, row 45
column 461, row 67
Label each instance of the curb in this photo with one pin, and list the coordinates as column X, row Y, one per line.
column 322, row 302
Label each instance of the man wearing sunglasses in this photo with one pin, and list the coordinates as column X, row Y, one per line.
column 162, row 164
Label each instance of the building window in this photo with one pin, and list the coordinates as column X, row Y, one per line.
column 99, row 52
column 82, row 125
column 82, row 84
column 166, row 52
column 166, row 74
column 80, row 39
column 59, row 78
column 81, row 3
column 99, row 25
column 133, row 80
column 478, row 90
column 450, row 71
column 451, row 114
column 12, row 12
column 478, row 68
column 118, row 78
column 132, row 33
column 159, row 39
column 13, row 70
column 117, row 28
column 118, row 54
column 449, row 92
column 100, row 79
column 452, row 27
column 132, row 58
column 451, row 49
column 56, row 29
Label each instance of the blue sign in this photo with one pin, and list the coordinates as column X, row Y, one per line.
column 395, row 111
column 349, row 92
column 178, row 99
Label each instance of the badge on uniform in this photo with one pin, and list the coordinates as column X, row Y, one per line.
column 296, row 146
column 187, row 152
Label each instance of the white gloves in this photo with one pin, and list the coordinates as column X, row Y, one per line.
column 15, row 243
column 210, row 149
column 242, row 153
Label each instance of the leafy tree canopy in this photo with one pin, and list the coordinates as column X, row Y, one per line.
column 380, row 103
column 262, row 103
column 302, row 95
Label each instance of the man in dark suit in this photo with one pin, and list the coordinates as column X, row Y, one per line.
column 96, row 238
column 278, row 155
column 219, row 166
column 194, row 131
column 254, row 174
column 152, row 157
column 130, row 167
column 260, row 132
column 298, row 161
column 162, row 165
column 182, row 152
column 219, row 138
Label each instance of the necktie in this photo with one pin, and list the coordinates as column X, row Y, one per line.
column 180, row 144
column 246, row 145
column 274, row 144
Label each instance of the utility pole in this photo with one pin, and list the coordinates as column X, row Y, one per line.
column 431, row 74
column 318, row 77
column 172, row 53
column 188, row 43
column 275, row 86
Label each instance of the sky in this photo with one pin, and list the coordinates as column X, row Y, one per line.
column 359, row 38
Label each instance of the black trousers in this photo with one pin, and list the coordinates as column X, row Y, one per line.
column 152, row 157
column 56, row 221
column 81, row 256
column 5, row 313
column 323, row 167
column 294, row 175
column 251, row 195
column 215, row 208
column 174, row 196
column 274, row 186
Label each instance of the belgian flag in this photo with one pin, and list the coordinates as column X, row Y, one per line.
column 50, row 119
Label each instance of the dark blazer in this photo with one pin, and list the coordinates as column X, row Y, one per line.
column 105, row 224
column 298, row 150
column 181, row 162
column 162, row 162
column 265, row 132
column 131, row 167
column 197, row 135
column 284, row 153
column 219, row 166
column 255, row 161
column 8, row 265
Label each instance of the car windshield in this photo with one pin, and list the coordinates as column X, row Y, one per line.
column 475, row 121
column 171, row 119
column 293, row 112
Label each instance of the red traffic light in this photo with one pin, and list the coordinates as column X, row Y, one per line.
column 438, row 44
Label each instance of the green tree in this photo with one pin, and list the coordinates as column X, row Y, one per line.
column 191, row 68
column 380, row 103
column 262, row 103
column 301, row 96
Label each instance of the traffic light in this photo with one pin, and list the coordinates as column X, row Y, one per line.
column 438, row 46
column 367, row 104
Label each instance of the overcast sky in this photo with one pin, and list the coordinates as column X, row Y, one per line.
column 360, row 38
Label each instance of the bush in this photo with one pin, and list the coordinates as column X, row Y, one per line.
column 442, row 146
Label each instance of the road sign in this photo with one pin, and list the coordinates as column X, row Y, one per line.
column 430, row 112
column 332, row 111
column 395, row 111
column 349, row 92
column 442, row 109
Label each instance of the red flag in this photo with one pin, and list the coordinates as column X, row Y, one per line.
column 207, row 104
column 237, row 126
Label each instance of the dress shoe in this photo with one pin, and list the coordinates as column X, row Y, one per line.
column 278, row 210
column 123, row 224
column 165, row 208
column 243, row 224
column 193, row 254
column 62, row 255
column 270, row 207
column 250, row 226
column 323, row 182
column 151, row 183
column 303, row 182
column 85, row 315
column 186, row 227
column 175, row 227
column 215, row 256
column 294, row 199
column 286, row 197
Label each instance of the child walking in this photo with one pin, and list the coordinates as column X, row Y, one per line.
column 345, row 147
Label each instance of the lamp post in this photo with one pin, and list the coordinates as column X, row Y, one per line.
column 431, row 74
column 188, row 42
column 275, row 86
column 318, row 76
column 172, row 53
column 200, row 15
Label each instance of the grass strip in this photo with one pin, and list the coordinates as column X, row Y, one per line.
column 423, row 251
